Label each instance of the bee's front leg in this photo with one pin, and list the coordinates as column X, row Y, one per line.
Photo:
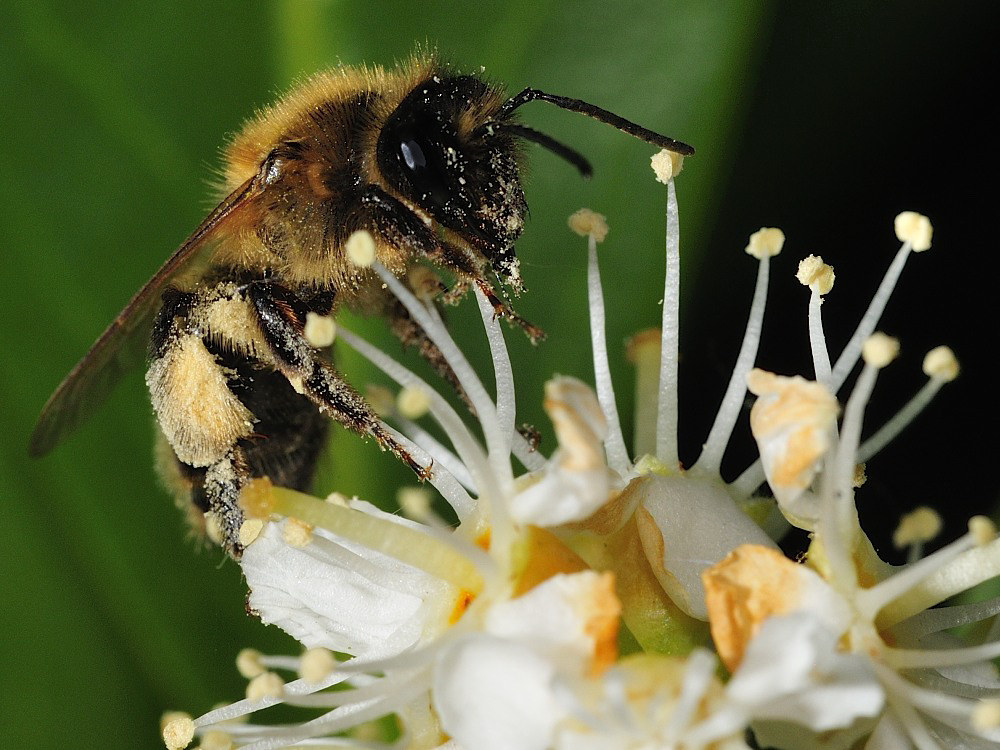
column 281, row 316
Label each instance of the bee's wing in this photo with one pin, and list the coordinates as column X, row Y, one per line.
column 122, row 346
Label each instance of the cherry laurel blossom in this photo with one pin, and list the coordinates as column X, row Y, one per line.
column 575, row 600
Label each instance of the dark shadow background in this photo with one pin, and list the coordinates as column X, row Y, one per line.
column 825, row 119
column 862, row 111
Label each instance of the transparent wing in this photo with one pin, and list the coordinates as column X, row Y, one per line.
column 122, row 346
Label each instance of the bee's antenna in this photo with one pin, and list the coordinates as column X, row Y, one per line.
column 584, row 108
column 548, row 142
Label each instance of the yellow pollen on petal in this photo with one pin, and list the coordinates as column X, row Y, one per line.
column 766, row 242
column 320, row 330
column 602, row 622
column 791, row 421
column 413, row 402
column 666, row 165
column 914, row 228
column 749, row 585
column 296, row 533
column 316, row 664
column 879, row 350
column 587, row 223
column 816, row 274
column 178, row 731
column 267, row 685
column 983, row 530
column 360, row 248
column 248, row 663
column 940, row 362
column 917, row 526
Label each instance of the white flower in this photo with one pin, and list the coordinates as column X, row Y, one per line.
column 423, row 612
column 503, row 631
column 923, row 690
column 447, row 627
column 498, row 688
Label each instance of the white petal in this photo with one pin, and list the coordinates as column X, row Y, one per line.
column 493, row 694
column 687, row 525
column 576, row 481
column 339, row 595
column 566, row 618
column 794, row 672
column 560, row 496
column 792, row 421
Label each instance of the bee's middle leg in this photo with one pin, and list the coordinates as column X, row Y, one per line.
column 282, row 323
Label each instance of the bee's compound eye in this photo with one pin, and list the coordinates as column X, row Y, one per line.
column 413, row 155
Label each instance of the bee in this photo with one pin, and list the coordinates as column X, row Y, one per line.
column 424, row 159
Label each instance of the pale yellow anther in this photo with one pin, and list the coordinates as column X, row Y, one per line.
column 914, row 228
column 940, row 363
column 816, row 274
column 216, row 739
column 413, row 402
column 213, row 529
column 916, row 527
column 415, row 502
column 316, row 664
column 249, row 531
column 296, row 533
column 986, row 715
column 879, row 350
column 381, row 400
column 320, row 330
column 360, row 248
column 168, row 716
column 178, row 732
column 983, row 530
column 267, row 685
column 666, row 165
column 587, row 223
column 248, row 663
column 766, row 242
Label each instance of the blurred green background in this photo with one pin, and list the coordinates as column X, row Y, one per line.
column 823, row 118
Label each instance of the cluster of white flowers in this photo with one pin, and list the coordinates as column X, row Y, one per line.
column 575, row 602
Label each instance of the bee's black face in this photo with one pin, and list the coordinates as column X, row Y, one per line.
column 467, row 181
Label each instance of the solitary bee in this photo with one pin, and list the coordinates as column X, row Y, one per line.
column 424, row 159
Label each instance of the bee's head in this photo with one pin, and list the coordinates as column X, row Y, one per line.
column 451, row 148
column 435, row 153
